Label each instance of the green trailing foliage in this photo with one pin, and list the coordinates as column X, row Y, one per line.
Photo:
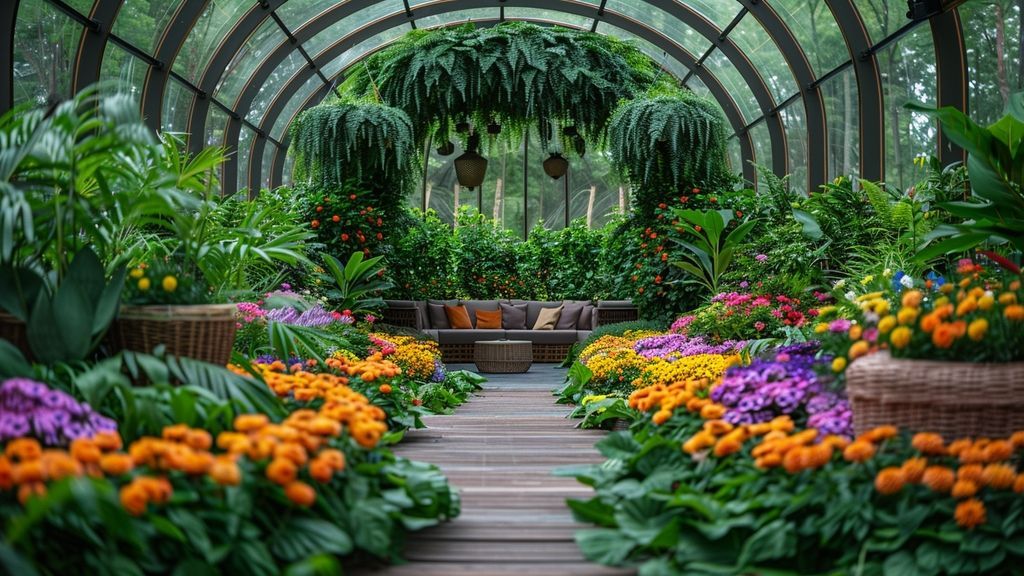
column 515, row 74
column 335, row 141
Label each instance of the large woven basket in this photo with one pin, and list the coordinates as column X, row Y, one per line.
column 955, row 399
column 203, row 332
column 15, row 331
column 503, row 356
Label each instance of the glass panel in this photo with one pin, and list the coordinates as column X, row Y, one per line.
column 210, row 30
column 793, row 120
column 734, row 84
column 359, row 50
column 908, row 75
column 280, row 129
column 762, row 148
column 670, row 26
column 594, row 188
column 502, row 191
column 295, row 13
column 270, row 88
column 177, row 101
column 992, row 34
column 657, row 54
column 244, row 150
column 267, row 164
column 286, row 174
column 216, row 122
column 758, row 46
column 881, row 17
column 735, row 155
column 698, row 87
column 45, row 42
column 843, row 124
column 719, row 12
column 546, row 202
column 814, row 27
column 458, row 17
column 564, row 18
column 249, row 57
column 84, row 7
column 142, row 22
column 122, row 73
column 346, row 26
column 441, row 183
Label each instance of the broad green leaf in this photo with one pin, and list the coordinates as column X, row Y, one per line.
column 604, row 546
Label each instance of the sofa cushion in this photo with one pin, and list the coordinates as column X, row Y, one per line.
column 458, row 317
column 570, row 315
column 586, row 321
column 548, row 318
column 435, row 312
column 533, row 310
column 488, row 319
column 544, row 336
column 473, row 305
column 455, row 336
column 616, row 304
column 513, row 316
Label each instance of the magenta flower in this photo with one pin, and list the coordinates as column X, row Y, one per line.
column 761, row 258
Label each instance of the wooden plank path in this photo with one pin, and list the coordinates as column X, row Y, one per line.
column 499, row 450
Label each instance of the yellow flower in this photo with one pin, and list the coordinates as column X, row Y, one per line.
column 839, row 364
column 144, row 284
column 820, row 328
column 900, row 337
column 881, row 306
column 907, row 316
column 1007, row 298
column 136, row 273
column 169, row 283
column 867, row 280
column 885, row 325
column 869, row 296
column 826, row 310
column 855, row 332
column 986, row 302
column 859, row 348
column 976, row 330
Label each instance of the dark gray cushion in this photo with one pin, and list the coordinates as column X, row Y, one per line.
column 533, row 311
column 513, row 316
column 544, row 336
column 586, row 321
column 617, row 304
column 435, row 311
column 570, row 316
column 473, row 305
column 468, row 336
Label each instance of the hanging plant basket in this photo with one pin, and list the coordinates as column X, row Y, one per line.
column 955, row 399
column 203, row 332
column 15, row 331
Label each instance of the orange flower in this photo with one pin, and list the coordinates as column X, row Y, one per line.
column 944, row 336
column 28, row 472
column 1018, row 484
column 727, row 446
column 384, row 388
column 336, row 458
column 108, row 440
column 818, row 455
column 930, row 322
column 21, row 449
column 970, row 472
column 712, row 412
column 928, row 444
column 771, row 460
column 912, row 298
column 913, row 469
column 1017, row 439
column 661, row 416
column 158, row 490
column 998, row 476
column 134, row 498
column 26, row 491
column 175, row 433
column 324, row 427
column 116, row 464
column 804, row 436
column 906, row 316
column 225, row 472
column 782, row 424
column 889, row 480
column 85, row 450
column 291, row 451
column 958, row 446
column 881, row 433
column 998, row 451
column 973, row 455
column 859, row 348
column 970, row 513
column 300, row 493
column 321, row 470
column 964, row 489
column 698, row 442
column 251, row 422
column 198, row 439
column 282, row 471
column 938, row 478
column 718, row 427
column 6, row 473
column 794, row 460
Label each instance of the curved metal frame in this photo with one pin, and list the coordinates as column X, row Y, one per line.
column 8, row 20
column 695, row 20
column 94, row 41
column 171, row 42
column 869, row 88
column 952, row 79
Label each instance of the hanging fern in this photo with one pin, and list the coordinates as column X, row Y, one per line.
column 334, row 142
column 670, row 140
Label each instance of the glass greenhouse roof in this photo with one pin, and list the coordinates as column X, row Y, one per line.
column 236, row 72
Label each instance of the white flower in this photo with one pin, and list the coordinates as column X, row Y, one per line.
column 840, row 283
column 907, row 281
column 851, row 295
column 887, row 272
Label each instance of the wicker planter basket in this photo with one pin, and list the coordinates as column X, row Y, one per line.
column 203, row 332
column 16, row 332
column 955, row 399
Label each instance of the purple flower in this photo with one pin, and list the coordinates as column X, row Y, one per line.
column 839, row 325
column 675, row 346
column 29, row 408
column 440, row 372
column 313, row 317
column 761, row 258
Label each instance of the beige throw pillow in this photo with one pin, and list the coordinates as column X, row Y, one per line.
column 548, row 318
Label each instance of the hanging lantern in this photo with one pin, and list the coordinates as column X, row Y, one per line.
column 462, row 127
column 446, row 149
column 470, row 169
column 494, row 128
column 556, row 166
column 570, row 131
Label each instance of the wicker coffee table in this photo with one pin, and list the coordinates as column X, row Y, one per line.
column 503, row 356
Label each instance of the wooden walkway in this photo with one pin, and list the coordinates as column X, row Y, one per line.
column 499, row 450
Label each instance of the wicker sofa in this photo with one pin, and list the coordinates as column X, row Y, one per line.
column 548, row 345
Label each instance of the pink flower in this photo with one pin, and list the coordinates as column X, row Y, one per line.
column 370, row 318
column 761, row 257
column 759, row 325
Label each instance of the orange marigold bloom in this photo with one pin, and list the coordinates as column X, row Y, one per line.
column 196, row 463
column 912, row 298
column 282, row 471
column 321, row 470
column 837, row 442
column 300, row 493
column 958, row 446
column 336, row 458
column 928, row 443
column 291, row 451
column 882, row 433
column 661, row 416
column 251, row 422
column 930, row 323
column 890, row 480
column 1018, row 484
column 718, row 427
column 26, row 491
column 970, row 513
column 1014, row 312
column 970, row 472
column 782, row 423
column 998, row 451
column 158, row 490
column 28, row 472
column 175, row 433
column 6, row 473
column 913, row 469
column 944, row 336
column 698, row 442
column 696, row 404
column 21, row 449
column 322, row 426
column 771, row 460
column 794, row 460
column 116, row 464
column 1017, row 439
column 727, row 446
column 804, row 436
column 938, row 478
column 225, row 472
column 199, row 439
column 134, row 498
column 712, row 411
column 973, row 455
column 998, row 476
column 774, row 435
column 964, row 489
column 759, row 429
column 262, row 448
column 859, row 348
column 818, row 455
column 384, row 388
column 108, row 440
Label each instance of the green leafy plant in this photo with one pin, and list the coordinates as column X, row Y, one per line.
column 357, row 284
column 709, row 246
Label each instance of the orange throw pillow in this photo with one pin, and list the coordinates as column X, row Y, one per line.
column 458, row 317
column 489, row 319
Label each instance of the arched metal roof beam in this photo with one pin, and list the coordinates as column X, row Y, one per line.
column 93, row 46
column 8, row 19
column 869, row 88
column 718, row 91
column 814, row 106
column 952, row 80
column 743, row 65
column 166, row 51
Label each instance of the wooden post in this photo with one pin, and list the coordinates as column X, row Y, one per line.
column 426, row 195
column 622, row 200
column 590, row 205
column 498, row 199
